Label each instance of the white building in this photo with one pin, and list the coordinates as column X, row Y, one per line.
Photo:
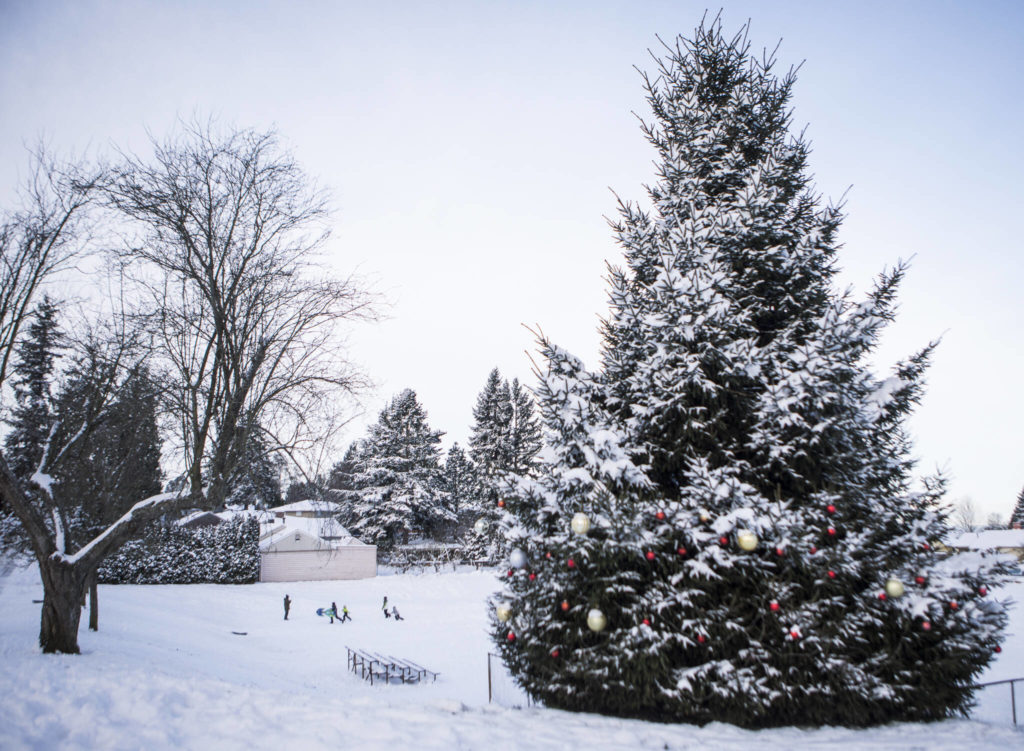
column 304, row 542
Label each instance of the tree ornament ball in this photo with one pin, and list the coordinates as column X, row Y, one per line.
column 504, row 611
column 650, row 555
column 814, row 549
column 832, row 531
column 580, row 523
column 703, row 515
column 660, row 516
column 746, row 539
column 894, row 588
column 881, row 595
column 510, row 572
column 794, row 634
column 571, row 563
column 831, row 574
column 565, row 605
column 555, row 653
column 830, row 508
column 517, row 558
column 919, row 579
column 724, row 540
column 780, row 552
column 548, row 555
column 774, row 606
column 596, row 620
column 926, row 625
column 681, row 551
column 982, row 591
column 480, row 526
column 998, row 649
column 953, row 605
column 511, row 636
column 700, row 638
column 647, row 621
column 533, row 576
column 926, row 546
column 501, row 503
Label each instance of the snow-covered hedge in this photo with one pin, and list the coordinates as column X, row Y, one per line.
column 224, row 554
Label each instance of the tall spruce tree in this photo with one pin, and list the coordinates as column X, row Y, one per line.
column 397, row 477
column 459, row 485
column 1017, row 517
column 755, row 552
column 524, row 431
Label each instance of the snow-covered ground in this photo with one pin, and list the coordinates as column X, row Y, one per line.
column 165, row 671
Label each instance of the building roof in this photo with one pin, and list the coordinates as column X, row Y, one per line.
column 323, row 533
column 988, row 539
column 317, row 507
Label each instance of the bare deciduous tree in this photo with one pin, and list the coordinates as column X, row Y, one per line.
column 965, row 513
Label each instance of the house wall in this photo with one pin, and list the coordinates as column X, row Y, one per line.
column 356, row 562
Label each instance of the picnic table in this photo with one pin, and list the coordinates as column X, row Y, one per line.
column 373, row 666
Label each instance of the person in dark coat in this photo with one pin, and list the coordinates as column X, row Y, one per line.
column 333, row 612
column 287, row 606
column 385, row 607
column 394, row 613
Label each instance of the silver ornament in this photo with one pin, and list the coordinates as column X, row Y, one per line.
column 517, row 558
column 580, row 523
column 596, row 620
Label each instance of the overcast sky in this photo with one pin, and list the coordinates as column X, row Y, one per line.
column 472, row 149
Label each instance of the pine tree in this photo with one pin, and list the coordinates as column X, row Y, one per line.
column 459, row 484
column 524, row 431
column 31, row 417
column 1017, row 517
column 746, row 478
column 397, row 477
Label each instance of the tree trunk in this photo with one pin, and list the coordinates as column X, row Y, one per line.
column 94, row 603
column 63, row 589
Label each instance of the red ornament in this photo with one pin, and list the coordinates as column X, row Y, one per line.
column 700, row 638
column 814, row 549
column 926, row 546
column 501, row 504
column 647, row 622
column 555, row 653
column 780, row 552
column 510, row 572
column 881, row 595
column 571, row 563
column 982, row 591
column 919, row 579
column 565, row 604
column 724, row 540
column 998, row 649
column 511, row 636
column 926, row 625
column 548, row 555
column 650, row 555
column 681, row 551
column 830, row 508
column 532, row 576
column 773, row 606
column 794, row 634
column 660, row 516
column 832, row 531
column 831, row 574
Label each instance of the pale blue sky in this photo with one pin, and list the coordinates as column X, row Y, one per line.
column 470, row 148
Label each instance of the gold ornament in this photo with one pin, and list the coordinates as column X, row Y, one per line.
column 746, row 539
column 580, row 523
column 504, row 611
column 894, row 588
column 596, row 620
column 480, row 526
column 704, row 516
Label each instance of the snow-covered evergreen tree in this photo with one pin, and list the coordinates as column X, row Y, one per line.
column 397, row 477
column 1017, row 517
column 460, row 484
column 524, row 431
column 756, row 553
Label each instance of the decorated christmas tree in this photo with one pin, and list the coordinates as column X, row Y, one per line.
column 724, row 525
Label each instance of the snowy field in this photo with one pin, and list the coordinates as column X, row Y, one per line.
column 165, row 671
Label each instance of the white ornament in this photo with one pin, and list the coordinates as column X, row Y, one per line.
column 596, row 620
column 580, row 523
column 504, row 611
column 746, row 539
column 894, row 588
column 480, row 526
column 517, row 558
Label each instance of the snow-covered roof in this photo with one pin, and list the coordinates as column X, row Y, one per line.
column 325, row 532
column 319, row 507
column 989, row 538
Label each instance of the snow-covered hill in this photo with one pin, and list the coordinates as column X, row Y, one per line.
column 165, row 671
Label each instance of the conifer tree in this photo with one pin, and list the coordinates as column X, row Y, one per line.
column 524, row 431
column 396, row 477
column 1017, row 517
column 748, row 547
column 459, row 485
